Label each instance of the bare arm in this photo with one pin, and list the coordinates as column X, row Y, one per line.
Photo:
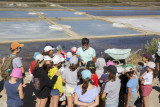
column 63, row 80
column 94, row 59
column 22, row 68
column 137, row 87
column 103, row 95
column 4, row 89
column 77, row 102
column 128, row 97
column 20, row 90
column 96, row 103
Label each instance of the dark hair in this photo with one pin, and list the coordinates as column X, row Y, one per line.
column 131, row 73
column 36, row 65
column 12, row 50
column 46, row 53
column 49, row 66
column 73, row 67
column 85, row 85
column 85, row 41
column 93, row 70
column 111, row 77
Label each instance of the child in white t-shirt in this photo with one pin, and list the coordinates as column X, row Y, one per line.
column 146, row 82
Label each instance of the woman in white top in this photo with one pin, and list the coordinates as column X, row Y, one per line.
column 146, row 82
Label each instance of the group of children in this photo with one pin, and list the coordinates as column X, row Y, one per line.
column 61, row 79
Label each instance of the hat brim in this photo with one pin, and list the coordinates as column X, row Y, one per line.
column 21, row 45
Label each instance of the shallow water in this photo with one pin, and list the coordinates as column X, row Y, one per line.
column 16, row 14
column 96, row 28
column 98, row 44
column 28, row 30
column 121, row 12
column 61, row 14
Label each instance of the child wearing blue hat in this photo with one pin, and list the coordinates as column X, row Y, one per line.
column 33, row 63
column 86, row 94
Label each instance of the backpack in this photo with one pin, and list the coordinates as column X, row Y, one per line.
column 7, row 66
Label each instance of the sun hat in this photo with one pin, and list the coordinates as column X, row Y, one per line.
column 56, row 59
column 35, row 54
column 73, row 60
column 48, row 48
column 73, row 49
column 47, row 58
column 68, row 55
column 112, row 69
column 15, row 45
column 90, row 64
column 58, row 47
column 110, row 63
column 86, row 74
column 39, row 57
column 16, row 73
column 151, row 65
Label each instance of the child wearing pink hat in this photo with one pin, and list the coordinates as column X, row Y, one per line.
column 14, row 90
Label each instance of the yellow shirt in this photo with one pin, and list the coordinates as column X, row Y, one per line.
column 58, row 85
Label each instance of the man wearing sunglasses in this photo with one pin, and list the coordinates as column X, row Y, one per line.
column 86, row 53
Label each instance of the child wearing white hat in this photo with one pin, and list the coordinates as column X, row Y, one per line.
column 146, row 82
column 57, row 88
column 41, row 82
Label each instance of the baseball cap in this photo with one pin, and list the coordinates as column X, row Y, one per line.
column 58, row 47
column 56, row 59
column 86, row 74
column 17, row 73
column 15, row 45
column 47, row 58
column 40, row 57
column 90, row 64
column 35, row 54
column 68, row 55
column 151, row 65
column 112, row 69
column 128, row 69
column 110, row 63
column 129, row 65
column 73, row 49
column 48, row 48
column 73, row 60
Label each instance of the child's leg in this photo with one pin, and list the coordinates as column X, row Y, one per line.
column 69, row 101
column 145, row 101
column 43, row 102
column 63, row 103
column 55, row 101
column 38, row 102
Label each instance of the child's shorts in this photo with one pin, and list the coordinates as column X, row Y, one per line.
column 55, row 92
column 133, row 99
column 69, row 90
column 146, row 90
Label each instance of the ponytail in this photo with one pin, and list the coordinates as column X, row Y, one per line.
column 85, row 85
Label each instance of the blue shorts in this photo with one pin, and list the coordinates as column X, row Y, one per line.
column 115, row 104
column 55, row 92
